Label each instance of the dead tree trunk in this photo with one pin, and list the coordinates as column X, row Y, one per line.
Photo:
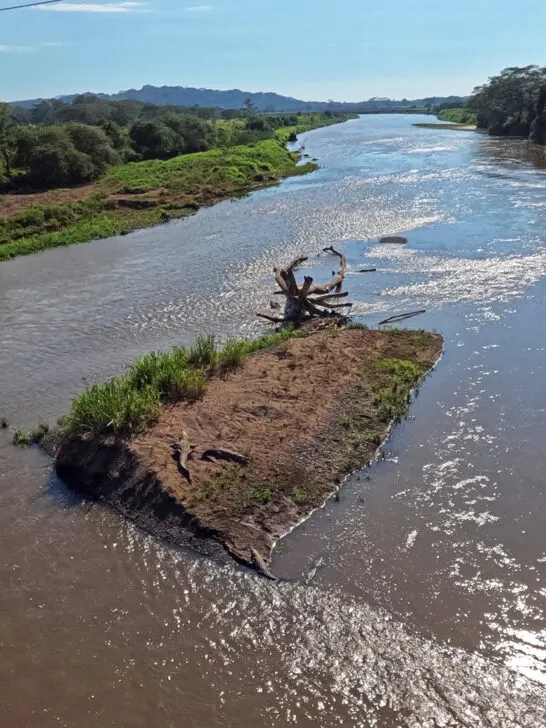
column 308, row 300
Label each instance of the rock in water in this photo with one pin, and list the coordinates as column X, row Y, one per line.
column 394, row 239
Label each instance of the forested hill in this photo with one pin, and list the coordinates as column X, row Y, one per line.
column 234, row 99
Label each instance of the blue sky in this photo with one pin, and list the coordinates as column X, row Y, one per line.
column 312, row 49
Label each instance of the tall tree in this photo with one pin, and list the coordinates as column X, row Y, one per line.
column 511, row 103
column 7, row 146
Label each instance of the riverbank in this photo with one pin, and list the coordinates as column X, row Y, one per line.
column 259, row 448
column 459, row 119
column 458, row 127
column 144, row 194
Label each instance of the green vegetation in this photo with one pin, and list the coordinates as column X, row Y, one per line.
column 127, row 130
column 92, row 110
column 76, row 143
column 301, row 496
column 258, row 495
column 170, row 136
column 391, row 382
column 444, row 127
column 115, row 407
column 512, row 103
column 457, row 116
column 177, row 186
column 21, row 438
column 218, row 173
column 213, row 175
column 395, row 379
column 306, row 122
column 356, row 325
column 128, row 404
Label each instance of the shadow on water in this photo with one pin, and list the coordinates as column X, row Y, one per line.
column 512, row 153
column 61, row 495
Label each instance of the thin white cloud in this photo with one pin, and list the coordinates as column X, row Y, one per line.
column 123, row 7
column 14, row 49
column 199, row 8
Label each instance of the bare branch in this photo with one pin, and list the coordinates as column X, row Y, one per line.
column 280, row 280
column 273, row 319
column 325, row 296
column 336, row 282
column 334, row 305
column 296, row 263
column 401, row 317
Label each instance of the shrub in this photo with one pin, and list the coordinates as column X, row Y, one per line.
column 63, row 155
column 22, row 438
column 259, row 495
column 170, row 135
column 258, row 123
column 95, row 143
column 300, row 496
column 231, row 356
column 192, row 385
column 154, row 140
column 202, row 354
column 34, row 437
column 114, row 407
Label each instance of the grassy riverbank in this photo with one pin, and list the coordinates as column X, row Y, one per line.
column 237, row 446
column 458, row 116
column 457, row 119
column 143, row 194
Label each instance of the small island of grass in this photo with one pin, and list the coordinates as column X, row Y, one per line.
column 227, row 450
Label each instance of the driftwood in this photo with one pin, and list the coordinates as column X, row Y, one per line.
column 401, row 317
column 308, row 300
column 214, row 453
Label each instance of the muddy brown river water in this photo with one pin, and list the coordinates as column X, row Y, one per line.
column 419, row 599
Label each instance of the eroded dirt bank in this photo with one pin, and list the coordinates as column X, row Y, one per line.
column 304, row 414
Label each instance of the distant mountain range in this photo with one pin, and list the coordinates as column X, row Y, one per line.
column 234, row 99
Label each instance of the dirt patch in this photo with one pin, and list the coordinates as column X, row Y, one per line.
column 13, row 203
column 304, row 414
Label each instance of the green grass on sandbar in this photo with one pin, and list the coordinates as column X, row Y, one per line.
column 128, row 404
column 394, row 380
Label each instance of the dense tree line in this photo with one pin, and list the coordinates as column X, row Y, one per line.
column 53, row 146
column 67, row 153
column 92, row 110
column 513, row 103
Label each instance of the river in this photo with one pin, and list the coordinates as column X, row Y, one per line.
column 418, row 600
